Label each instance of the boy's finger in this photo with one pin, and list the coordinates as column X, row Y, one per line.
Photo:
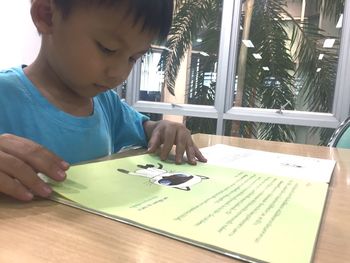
column 200, row 157
column 191, row 159
column 154, row 143
column 170, row 136
column 36, row 156
column 13, row 188
column 179, row 153
column 167, row 146
column 24, row 174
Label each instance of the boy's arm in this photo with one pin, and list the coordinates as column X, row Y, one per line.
column 164, row 134
column 20, row 161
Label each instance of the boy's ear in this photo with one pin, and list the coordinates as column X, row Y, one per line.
column 42, row 14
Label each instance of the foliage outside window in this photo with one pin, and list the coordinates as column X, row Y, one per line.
column 286, row 63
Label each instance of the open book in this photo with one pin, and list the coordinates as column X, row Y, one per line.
column 243, row 213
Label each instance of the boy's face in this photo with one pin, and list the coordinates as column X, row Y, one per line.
column 93, row 49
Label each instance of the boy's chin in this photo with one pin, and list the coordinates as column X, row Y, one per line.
column 101, row 88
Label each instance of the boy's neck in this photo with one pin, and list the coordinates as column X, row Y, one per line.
column 52, row 88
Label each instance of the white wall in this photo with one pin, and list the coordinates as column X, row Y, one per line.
column 19, row 40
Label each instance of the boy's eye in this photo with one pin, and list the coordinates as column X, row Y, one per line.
column 105, row 50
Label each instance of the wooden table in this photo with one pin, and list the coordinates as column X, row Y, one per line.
column 46, row 231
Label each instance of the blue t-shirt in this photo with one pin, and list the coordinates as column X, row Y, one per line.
column 25, row 112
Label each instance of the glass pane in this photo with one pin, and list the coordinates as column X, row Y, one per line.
column 279, row 132
column 121, row 90
column 288, row 54
column 189, row 57
column 153, row 116
column 194, row 124
column 152, row 77
column 201, row 125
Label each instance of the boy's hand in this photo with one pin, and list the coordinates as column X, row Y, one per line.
column 20, row 161
column 167, row 134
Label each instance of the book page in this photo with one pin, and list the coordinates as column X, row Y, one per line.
column 243, row 214
column 298, row 167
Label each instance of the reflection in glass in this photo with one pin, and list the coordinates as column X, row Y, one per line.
column 288, row 54
column 201, row 125
column 279, row 132
column 152, row 77
column 287, row 59
column 121, row 90
column 183, row 71
column 194, row 124
column 153, row 116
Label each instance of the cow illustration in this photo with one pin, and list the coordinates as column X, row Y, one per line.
column 162, row 177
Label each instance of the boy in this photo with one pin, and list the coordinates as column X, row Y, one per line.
column 61, row 108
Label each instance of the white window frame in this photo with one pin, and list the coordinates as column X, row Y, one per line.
column 223, row 110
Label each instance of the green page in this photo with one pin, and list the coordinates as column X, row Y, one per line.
column 240, row 213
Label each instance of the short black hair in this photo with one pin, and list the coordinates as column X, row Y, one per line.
column 156, row 14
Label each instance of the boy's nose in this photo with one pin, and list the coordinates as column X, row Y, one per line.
column 117, row 74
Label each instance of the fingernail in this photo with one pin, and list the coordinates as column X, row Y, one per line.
column 64, row 165
column 28, row 195
column 61, row 174
column 193, row 161
column 47, row 189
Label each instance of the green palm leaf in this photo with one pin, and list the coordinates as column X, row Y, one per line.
column 191, row 18
column 291, row 57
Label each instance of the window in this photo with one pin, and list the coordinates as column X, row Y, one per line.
column 283, row 64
